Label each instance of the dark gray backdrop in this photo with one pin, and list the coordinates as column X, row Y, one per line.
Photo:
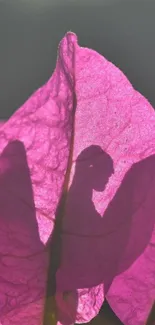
column 30, row 30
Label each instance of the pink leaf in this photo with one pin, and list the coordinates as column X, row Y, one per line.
column 108, row 233
column 34, row 148
column 108, row 229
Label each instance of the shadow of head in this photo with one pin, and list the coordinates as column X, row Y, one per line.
column 93, row 168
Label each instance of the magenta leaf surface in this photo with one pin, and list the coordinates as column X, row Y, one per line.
column 34, row 150
column 108, row 227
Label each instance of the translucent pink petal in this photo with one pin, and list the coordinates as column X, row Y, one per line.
column 34, row 149
column 108, row 240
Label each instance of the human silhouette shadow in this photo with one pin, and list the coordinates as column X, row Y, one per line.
column 95, row 248
column 23, row 259
column 81, row 222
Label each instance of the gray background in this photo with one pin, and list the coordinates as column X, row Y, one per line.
column 30, row 30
